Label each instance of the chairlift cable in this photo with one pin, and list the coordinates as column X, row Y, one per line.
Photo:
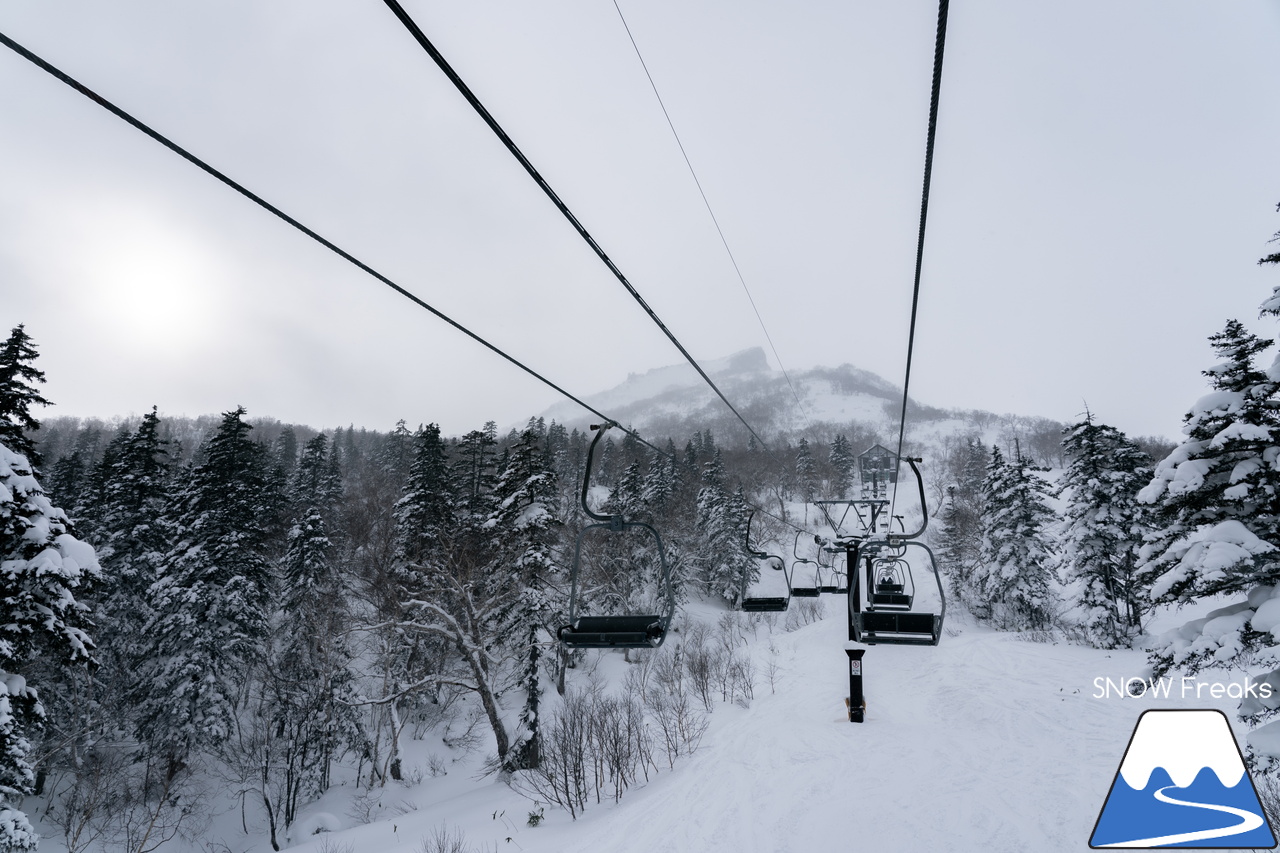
column 263, row 203
column 471, row 98
column 939, row 45
column 714, row 220
column 277, row 212
column 155, row 135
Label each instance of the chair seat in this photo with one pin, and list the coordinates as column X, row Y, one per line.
column 613, row 632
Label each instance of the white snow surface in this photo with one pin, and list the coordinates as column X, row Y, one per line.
column 988, row 742
column 1211, row 552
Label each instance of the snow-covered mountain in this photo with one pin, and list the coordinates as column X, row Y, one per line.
column 660, row 399
column 674, row 401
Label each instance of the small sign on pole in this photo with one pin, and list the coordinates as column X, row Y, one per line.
column 857, row 704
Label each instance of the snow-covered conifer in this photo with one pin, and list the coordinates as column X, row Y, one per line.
column 627, row 498
column 806, row 472
column 843, row 463
column 722, row 521
column 473, row 470
column 308, row 675
column 18, row 394
column 1015, row 567
column 959, row 530
column 1103, row 529
column 425, row 515
column 211, row 598
column 662, row 481
column 1225, row 476
column 44, row 566
column 524, row 527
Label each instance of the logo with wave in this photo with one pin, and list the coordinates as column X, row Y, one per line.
column 1182, row 783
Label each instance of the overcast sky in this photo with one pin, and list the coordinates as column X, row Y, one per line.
column 1106, row 178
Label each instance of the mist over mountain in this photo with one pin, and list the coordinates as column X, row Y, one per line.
column 817, row 403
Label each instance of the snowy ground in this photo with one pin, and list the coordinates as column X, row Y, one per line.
column 989, row 742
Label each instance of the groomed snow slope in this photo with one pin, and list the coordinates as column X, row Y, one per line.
column 988, row 742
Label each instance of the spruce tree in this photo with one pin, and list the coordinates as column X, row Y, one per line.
column 130, row 524
column 843, row 464
column 211, row 598
column 42, row 629
column 806, row 472
column 1015, row 566
column 1103, row 529
column 727, row 564
column 1220, row 489
column 67, row 483
column 18, row 394
column 524, row 528
column 1215, row 504
column 309, row 676
column 627, row 497
column 661, row 483
column 473, row 471
column 425, row 516
column 960, row 521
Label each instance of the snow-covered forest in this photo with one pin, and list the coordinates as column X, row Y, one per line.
column 219, row 621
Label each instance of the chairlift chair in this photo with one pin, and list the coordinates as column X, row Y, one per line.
column 890, row 582
column 805, row 582
column 758, row 602
column 834, row 581
column 883, row 605
column 625, row 631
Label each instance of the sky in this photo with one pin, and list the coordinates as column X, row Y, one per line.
column 1104, row 182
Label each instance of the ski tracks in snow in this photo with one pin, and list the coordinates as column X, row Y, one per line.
column 980, row 744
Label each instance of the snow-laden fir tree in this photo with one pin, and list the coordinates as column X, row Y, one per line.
column 41, row 623
column 1012, row 578
column 1217, row 495
column 210, row 599
column 18, row 394
column 627, row 497
column 662, row 482
column 430, row 540
column 475, row 457
column 1216, row 502
column 396, row 454
column 1103, row 529
column 959, row 529
column 843, row 464
column 727, row 565
column 127, row 508
column 133, row 497
column 524, row 528
column 1216, row 508
column 806, row 472
column 425, row 516
column 305, row 719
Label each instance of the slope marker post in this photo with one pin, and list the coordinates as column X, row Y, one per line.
column 857, row 704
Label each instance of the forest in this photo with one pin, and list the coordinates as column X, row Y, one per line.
column 263, row 604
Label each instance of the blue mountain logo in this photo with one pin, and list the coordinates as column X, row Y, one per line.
column 1182, row 783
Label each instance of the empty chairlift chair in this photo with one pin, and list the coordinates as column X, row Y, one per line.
column 805, row 573
column 619, row 631
column 770, row 593
column 833, row 579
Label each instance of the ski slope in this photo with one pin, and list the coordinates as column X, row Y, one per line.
column 988, row 742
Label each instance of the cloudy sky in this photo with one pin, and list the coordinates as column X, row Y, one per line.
column 1105, row 179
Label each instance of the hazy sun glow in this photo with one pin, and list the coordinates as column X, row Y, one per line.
column 153, row 280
